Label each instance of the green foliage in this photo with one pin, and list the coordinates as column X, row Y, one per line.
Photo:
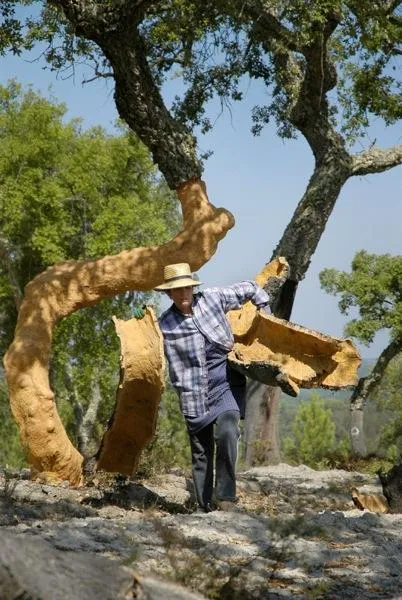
column 374, row 287
column 233, row 46
column 388, row 398
column 72, row 194
column 11, row 452
column 367, row 48
column 216, row 48
column 313, row 434
column 11, row 28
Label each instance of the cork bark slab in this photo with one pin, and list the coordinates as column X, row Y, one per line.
column 141, row 385
column 373, row 502
column 277, row 352
column 242, row 320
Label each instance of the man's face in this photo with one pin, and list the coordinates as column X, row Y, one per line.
column 182, row 298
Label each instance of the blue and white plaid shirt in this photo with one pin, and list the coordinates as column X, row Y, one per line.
column 185, row 343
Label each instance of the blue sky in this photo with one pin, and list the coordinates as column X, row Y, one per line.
column 261, row 180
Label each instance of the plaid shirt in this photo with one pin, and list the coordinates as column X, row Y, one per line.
column 185, row 343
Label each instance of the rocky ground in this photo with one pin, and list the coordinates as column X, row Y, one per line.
column 297, row 535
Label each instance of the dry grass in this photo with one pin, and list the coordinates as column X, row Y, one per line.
column 255, row 502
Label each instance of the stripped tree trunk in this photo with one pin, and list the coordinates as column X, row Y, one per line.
column 67, row 287
column 261, row 435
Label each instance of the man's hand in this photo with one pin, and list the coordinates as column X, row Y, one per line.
column 139, row 312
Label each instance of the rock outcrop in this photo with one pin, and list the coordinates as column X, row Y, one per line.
column 297, row 535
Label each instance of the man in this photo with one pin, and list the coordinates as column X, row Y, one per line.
column 197, row 340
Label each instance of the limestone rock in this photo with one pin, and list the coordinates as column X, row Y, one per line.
column 298, row 536
column 32, row 568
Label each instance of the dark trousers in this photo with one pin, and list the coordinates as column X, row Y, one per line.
column 221, row 436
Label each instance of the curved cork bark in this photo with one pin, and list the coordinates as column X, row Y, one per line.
column 141, row 385
column 373, row 502
column 67, row 287
column 277, row 352
column 241, row 320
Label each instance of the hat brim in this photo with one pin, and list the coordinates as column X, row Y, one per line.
column 171, row 285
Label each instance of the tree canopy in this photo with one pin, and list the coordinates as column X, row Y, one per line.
column 337, row 58
column 374, row 288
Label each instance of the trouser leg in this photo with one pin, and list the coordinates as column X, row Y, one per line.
column 227, row 435
column 202, row 457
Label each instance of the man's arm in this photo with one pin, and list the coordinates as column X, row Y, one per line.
column 236, row 295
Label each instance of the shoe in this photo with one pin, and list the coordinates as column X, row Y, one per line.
column 205, row 509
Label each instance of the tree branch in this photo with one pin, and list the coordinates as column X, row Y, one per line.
column 268, row 25
column 376, row 160
column 137, row 95
column 366, row 385
column 103, row 17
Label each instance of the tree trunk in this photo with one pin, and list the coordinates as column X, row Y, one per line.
column 9, row 264
column 358, row 441
column 86, row 420
column 115, row 29
column 364, row 388
column 260, row 428
column 297, row 245
column 306, row 85
column 63, row 289
column 392, row 486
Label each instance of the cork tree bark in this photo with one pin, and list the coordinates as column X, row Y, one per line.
column 67, row 287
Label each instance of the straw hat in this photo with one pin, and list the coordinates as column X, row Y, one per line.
column 176, row 276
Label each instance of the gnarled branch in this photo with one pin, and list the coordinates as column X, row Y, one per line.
column 376, row 160
column 63, row 289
